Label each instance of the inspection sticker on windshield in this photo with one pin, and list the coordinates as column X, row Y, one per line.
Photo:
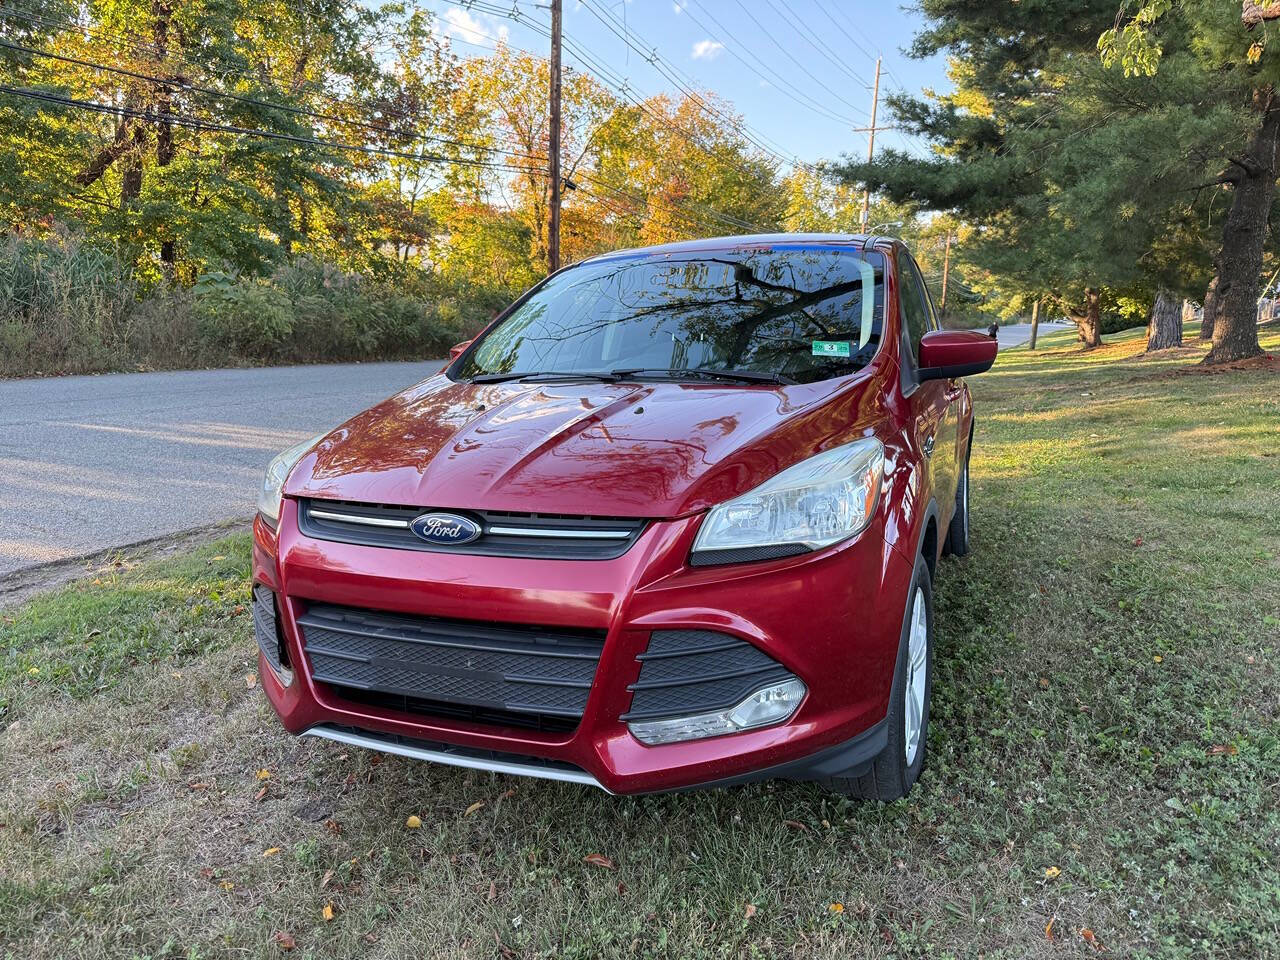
column 831, row 348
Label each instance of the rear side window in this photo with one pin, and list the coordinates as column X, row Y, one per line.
column 911, row 294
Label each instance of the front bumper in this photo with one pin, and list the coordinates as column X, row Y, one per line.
column 832, row 618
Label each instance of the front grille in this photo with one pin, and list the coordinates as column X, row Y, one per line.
column 495, row 673
column 687, row 672
column 539, row 535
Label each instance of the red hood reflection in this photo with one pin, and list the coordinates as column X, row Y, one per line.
column 641, row 450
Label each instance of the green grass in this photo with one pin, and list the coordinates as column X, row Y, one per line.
column 1107, row 705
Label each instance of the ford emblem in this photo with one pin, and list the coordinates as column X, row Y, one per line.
column 445, row 529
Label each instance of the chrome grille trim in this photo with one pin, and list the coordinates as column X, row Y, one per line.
column 503, row 533
column 365, row 521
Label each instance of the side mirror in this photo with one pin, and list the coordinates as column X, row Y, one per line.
column 955, row 353
column 456, row 350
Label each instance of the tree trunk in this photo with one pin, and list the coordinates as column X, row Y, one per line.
column 1090, row 322
column 1210, row 314
column 1035, row 325
column 1235, row 331
column 1165, row 327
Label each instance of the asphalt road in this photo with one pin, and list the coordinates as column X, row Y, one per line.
column 89, row 463
column 1013, row 334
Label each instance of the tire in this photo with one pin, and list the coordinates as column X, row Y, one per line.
column 892, row 774
column 957, row 542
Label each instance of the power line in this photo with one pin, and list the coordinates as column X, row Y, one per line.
column 195, row 123
column 812, row 39
column 797, row 95
column 284, row 108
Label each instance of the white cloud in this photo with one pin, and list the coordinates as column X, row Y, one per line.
column 482, row 29
column 707, row 49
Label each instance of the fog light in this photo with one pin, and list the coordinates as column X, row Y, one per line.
column 767, row 706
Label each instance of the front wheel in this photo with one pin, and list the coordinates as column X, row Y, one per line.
column 896, row 769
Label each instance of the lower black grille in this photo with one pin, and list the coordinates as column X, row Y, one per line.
column 505, row 674
column 266, row 630
column 687, row 672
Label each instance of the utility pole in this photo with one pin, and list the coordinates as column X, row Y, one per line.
column 553, row 226
column 871, row 145
column 946, row 273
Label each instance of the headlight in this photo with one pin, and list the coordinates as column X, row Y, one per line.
column 818, row 502
column 277, row 470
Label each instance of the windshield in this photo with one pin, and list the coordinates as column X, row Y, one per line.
column 783, row 314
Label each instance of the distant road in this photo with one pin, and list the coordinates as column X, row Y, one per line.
column 90, row 463
column 1015, row 333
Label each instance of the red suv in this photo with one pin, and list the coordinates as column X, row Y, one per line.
column 671, row 520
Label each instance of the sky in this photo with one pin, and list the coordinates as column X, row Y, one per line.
column 799, row 71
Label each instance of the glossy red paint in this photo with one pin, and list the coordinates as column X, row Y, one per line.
column 956, row 353
column 666, row 452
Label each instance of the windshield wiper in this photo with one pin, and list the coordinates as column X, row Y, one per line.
column 545, row 376
column 704, row 373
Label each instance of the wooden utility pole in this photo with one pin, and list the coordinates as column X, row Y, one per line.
column 1035, row 325
column 946, row 273
column 553, row 226
column 871, row 145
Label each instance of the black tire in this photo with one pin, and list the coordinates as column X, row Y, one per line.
column 957, row 542
column 890, row 776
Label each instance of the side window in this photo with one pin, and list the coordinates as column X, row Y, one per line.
column 911, row 295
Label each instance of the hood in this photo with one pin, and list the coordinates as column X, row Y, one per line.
column 654, row 450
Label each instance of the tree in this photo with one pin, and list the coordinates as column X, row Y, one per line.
column 1164, row 329
column 1225, row 45
column 1079, row 181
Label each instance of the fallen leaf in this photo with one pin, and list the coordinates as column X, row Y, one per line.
column 270, row 851
column 795, row 825
column 598, row 860
column 226, row 885
column 1230, row 749
column 206, row 872
column 285, row 940
column 197, row 786
column 1137, row 541
column 1158, row 659
column 413, row 822
column 217, row 558
column 250, row 680
column 1090, row 938
column 259, row 795
column 507, row 794
column 237, row 609
column 473, row 808
column 493, row 890
column 327, row 912
column 836, row 908
column 334, row 827
column 1044, row 683
column 1051, row 872
column 1048, row 928
column 264, row 774
column 622, row 889
column 750, row 911
column 324, row 881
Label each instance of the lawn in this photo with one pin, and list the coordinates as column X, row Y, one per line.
column 1104, row 770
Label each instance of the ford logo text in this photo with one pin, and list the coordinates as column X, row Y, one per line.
column 445, row 529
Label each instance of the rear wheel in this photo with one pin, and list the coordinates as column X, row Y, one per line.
column 957, row 543
column 896, row 769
